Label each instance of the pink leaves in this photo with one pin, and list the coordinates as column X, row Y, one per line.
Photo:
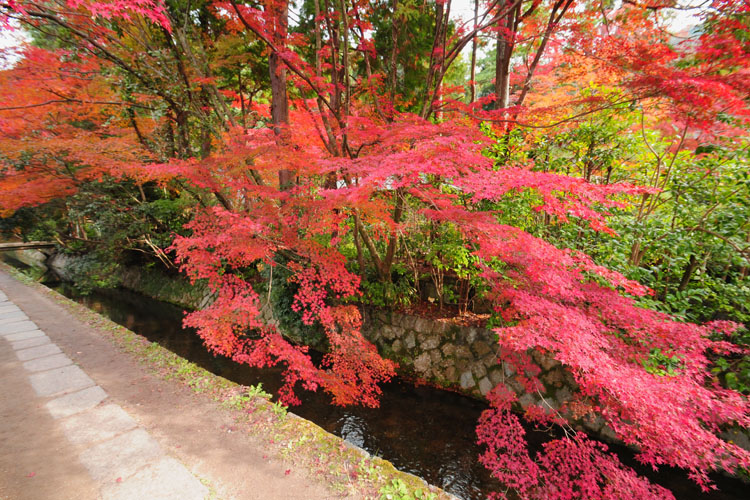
column 570, row 468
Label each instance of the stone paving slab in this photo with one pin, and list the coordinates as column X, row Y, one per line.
column 9, row 307
column 37, row 352
column 59, row 381
column 124, row 459
column 97, row 424
column 17, row 327
column 47, row 362
column 24, row 335
column 12, row 317
column 76, row 402
column 166, row 480
column 120, row 457
column 32, row 342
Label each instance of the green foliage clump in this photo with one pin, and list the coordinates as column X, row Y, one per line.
column 397, row 489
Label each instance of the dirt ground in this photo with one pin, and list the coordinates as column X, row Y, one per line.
column 37, row 462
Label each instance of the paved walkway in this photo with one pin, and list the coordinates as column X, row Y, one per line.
column 81, row 419
column 122, row 459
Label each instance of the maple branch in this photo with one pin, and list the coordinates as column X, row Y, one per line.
column 78, row 101
column 555, row 123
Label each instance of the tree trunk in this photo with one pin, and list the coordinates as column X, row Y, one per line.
column 505, row 43
column 473, row 87
column 692, row 264
column 279, row 99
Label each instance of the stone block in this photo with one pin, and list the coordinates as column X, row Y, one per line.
column 549, row 405
column 450, row 374
column 397, row 346
column 410, row 341
column 563, row 395
column 37, row 352
column 422, row 363
column 431, row 342
column 9, row 307
column 410, row 322
column 467, row 380
column 515, row 386
column 165, row 480
column 496, row 376
column 24, row 335
column 470, row 335
column 547, row 362
column 12, row 317
column 485, row 386
column 463, row 352
column 388, row 332
column 17, row 327
column 441, row 328
column 556, row 377
column 33, row 342
column 97, row 424
column 422, row 325
column 479, row 370
column 449, row 350
column 481, row 348
column 76, row 402
column 121, row 457
column 435, row 357
column 60, row 381
column 461, row 364
column 397, row 319
column 526, row 400
column 47, row 363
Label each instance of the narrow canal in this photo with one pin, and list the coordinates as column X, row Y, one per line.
column 422, row 430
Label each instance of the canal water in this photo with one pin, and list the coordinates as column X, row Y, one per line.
column 421, row 430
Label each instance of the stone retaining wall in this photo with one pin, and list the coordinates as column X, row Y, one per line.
column 462, row 358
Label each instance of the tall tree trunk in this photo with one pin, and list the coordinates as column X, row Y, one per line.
column 277, row 71
column 393, row 68
column 473, row 88
column 506, row 37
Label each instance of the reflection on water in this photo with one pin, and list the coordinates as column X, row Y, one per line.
column 421, row 430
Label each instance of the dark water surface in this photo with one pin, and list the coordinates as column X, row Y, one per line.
column 422, row 430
